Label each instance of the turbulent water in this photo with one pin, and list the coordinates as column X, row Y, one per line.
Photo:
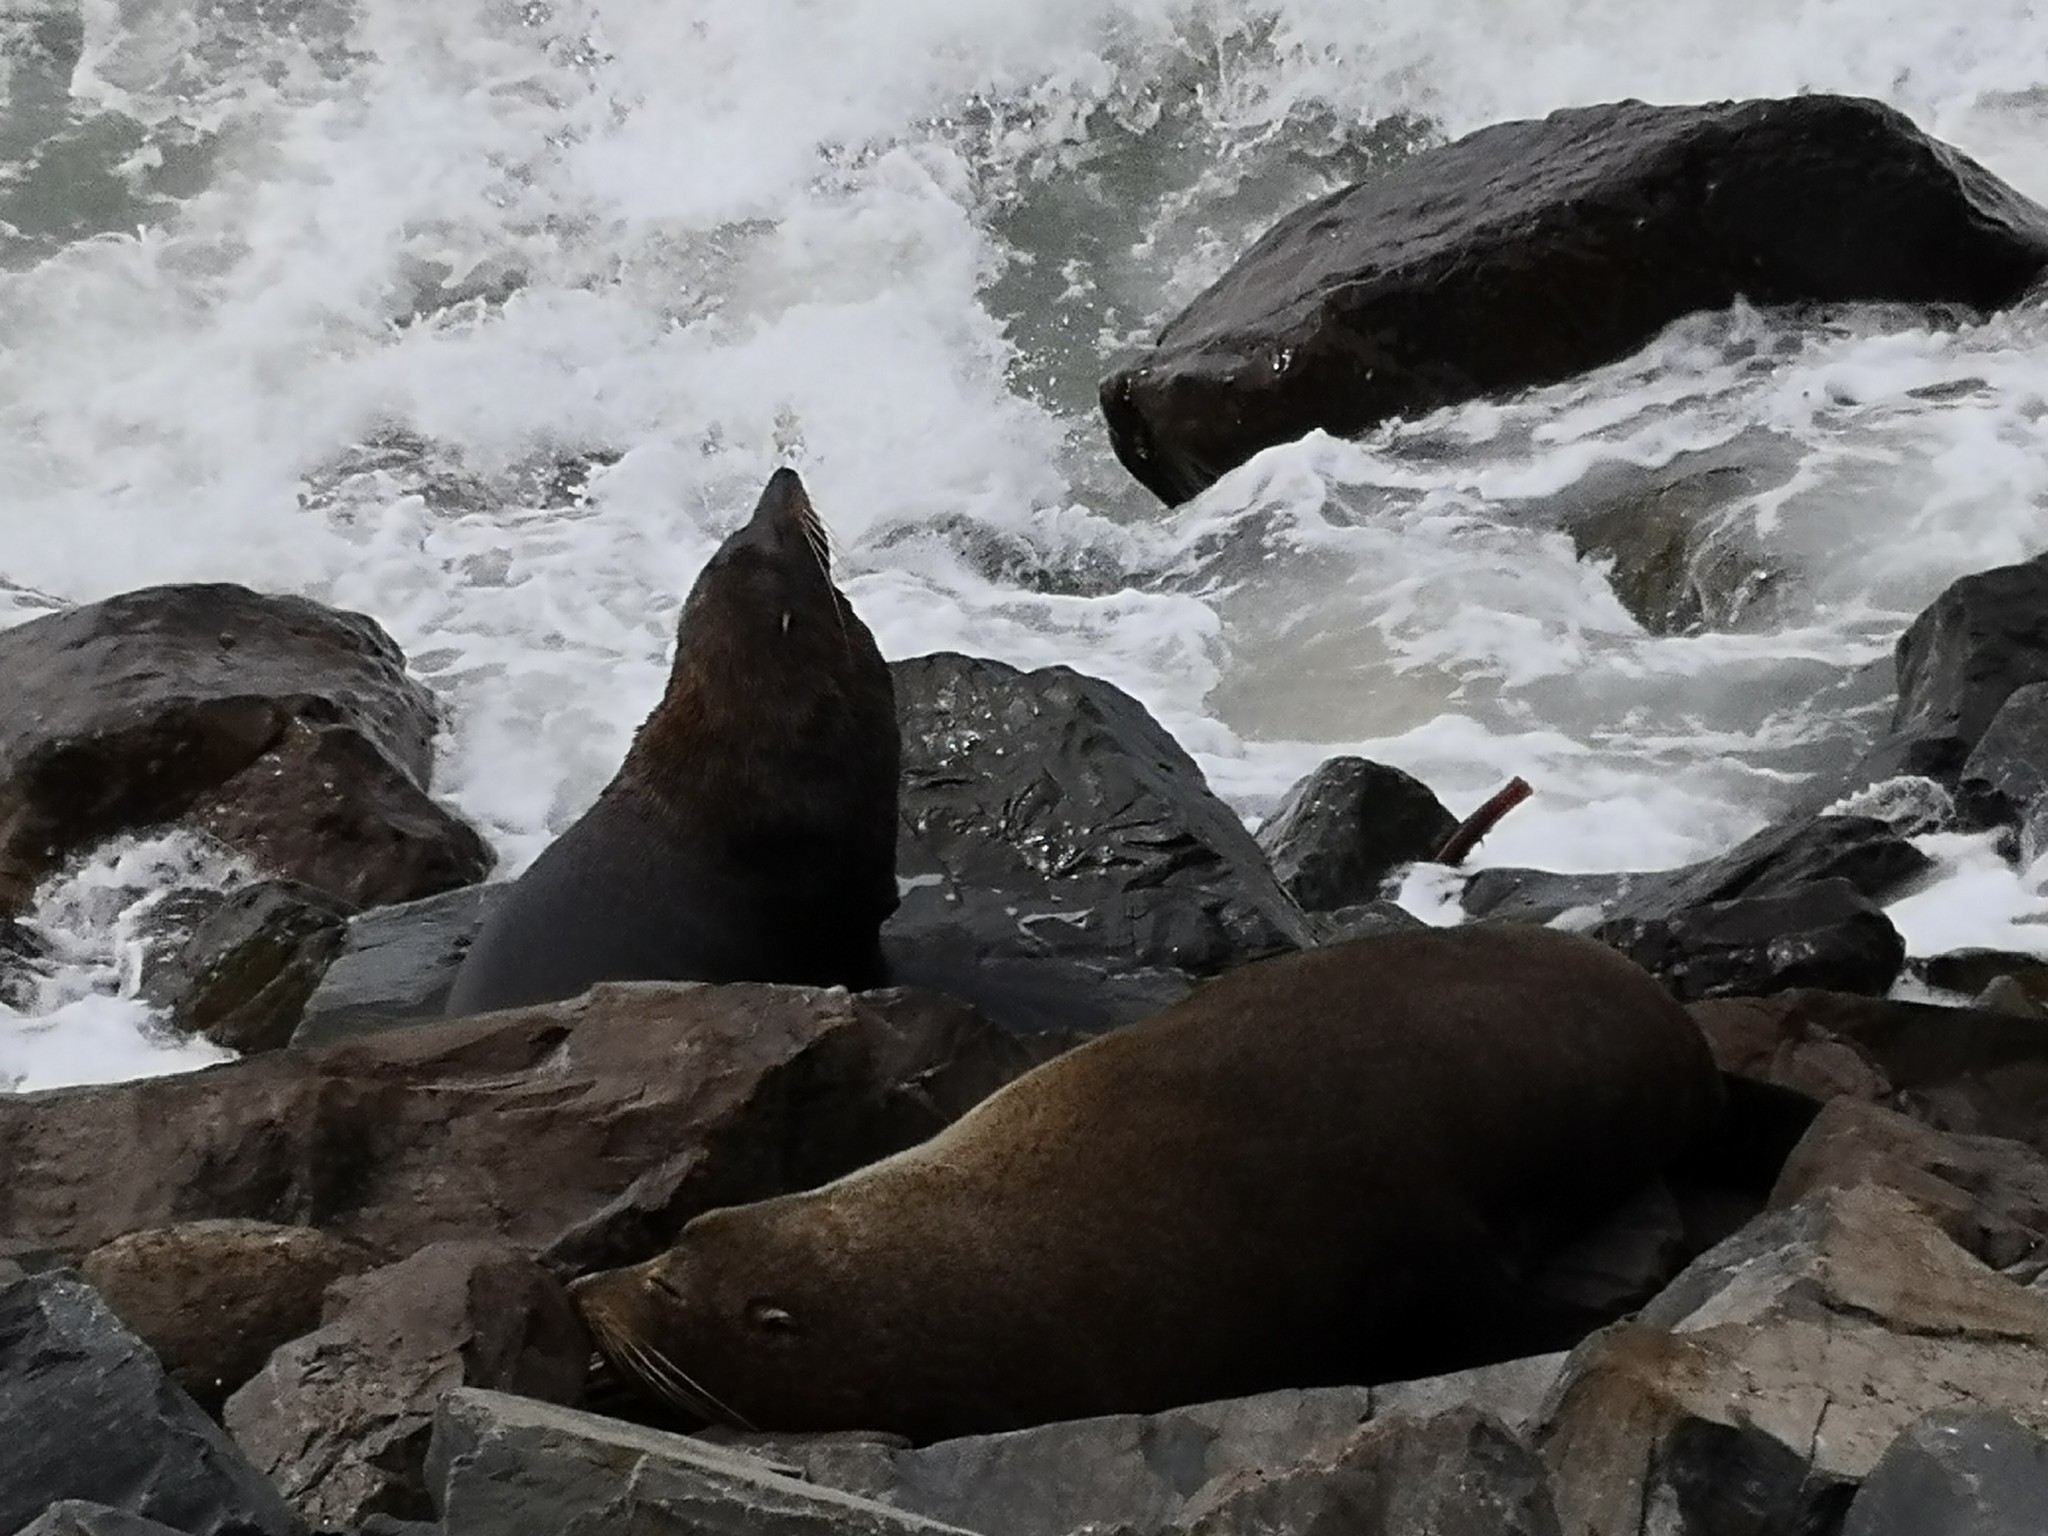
column 489, row 319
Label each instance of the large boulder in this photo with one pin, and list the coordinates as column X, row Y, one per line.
column 617, row 1115
column 145, row 709
column 340, row 1418
column 214, row 1298
column 1339, row 833
column 1956, row 1472
column 1528, row 252
column 1827, row 934
column 87, row 1413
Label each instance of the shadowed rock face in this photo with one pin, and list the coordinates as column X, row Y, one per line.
column 1528, row 252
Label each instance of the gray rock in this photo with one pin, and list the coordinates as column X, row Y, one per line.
column 2007, row 771
column 79, row 1517
column 87, row 1413
column 1956, row 1472
column 506, row 1466
column 1827, row 934
column 396, row 964
column 243, row 977
column 1338, row 833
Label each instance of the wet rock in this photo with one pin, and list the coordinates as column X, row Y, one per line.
column 1822, row 935
column 396, row 964
column 505, row 1466
column 77, row 1517
column 1768, row 1379
column 242, row 979
column 1363, row 922
column 214, row 1298
column 1956, row 1472
column 1338, row 833
column 521, row 1125
column 2007, row 771
column 126, row 713
column 1970, row 971
column 1982, row 640
column 1989, row 1194
column 87, row 1413
column 1048, row 817
column 1528, row 252
column 340, row 1418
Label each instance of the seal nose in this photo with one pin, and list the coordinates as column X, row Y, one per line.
column 785, row 500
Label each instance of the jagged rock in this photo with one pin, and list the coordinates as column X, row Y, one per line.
column 1765, row 1382
column 396, row 964
column 1988, row 1193
column 87, row 1413
column 1956, row 1472
column 1970, row 1070
column 1529, row 252
column 1338, row 833
column 2006, row 772
column 614, row 1117
column 127, row 713
column 1051, row 825
column 242, row 979
column 77, row 1517
column 214, row 1298
column 505, row 1466
column 1822, row 935
column 340, row 1418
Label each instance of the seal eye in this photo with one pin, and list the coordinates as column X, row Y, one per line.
column 770, row 1318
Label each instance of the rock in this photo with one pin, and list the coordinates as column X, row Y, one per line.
column 396, row 964
column 321, row 807
column 87, row 1413
column 1989, row 1194
column 1337, row 834
column 1049, row 818
column 2005, row 774
column 1956, row 1472
column 1363, row 922
column 1970, row 1070
column 1765, row 1382
column 77, row 1517
column 504, row 1466
column 242, row 979
column 1528, row 252
column 340, row 1418
column 130, row 712
column 1822, row 935
column 651, row 1101
column 214, row 1298
column 1970, row 971
column 1460, row 1473
column 1982, row 640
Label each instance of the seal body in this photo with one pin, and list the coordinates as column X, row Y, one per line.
column 750, row 834
column 1344, row 1165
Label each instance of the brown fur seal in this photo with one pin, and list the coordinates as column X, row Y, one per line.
column 1330, row 1167
column 750, row 834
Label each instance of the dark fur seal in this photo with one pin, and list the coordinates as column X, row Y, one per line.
column 750, row 834
column 1340, row 1166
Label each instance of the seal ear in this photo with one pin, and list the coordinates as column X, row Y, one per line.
column 770, row 1318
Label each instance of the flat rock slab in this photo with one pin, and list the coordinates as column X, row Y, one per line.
column 506, row 1466
column 1528, row 252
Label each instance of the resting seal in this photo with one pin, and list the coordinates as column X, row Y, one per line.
column 750, row 834
column 1337, row 1166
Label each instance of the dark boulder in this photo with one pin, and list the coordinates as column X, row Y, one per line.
column 243, row 977
column 87, row 1413
column 1338, row 833
column 396, row 964
column 2005, row 774
column 136, row 711
column 1822, row 935
column 1956, row 1472
column 1529, row 252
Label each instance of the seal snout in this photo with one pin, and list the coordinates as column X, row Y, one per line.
column 785, row 512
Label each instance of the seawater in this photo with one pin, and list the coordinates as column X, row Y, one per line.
column 489, row 319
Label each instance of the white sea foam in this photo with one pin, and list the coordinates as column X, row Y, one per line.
column 489, row 318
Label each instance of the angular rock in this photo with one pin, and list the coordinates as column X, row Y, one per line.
column 1956, row 1472
column 1982, row 640
column 1970, row 971
column 504, row 1466
column 87, row 1413
column 1049, row 818
column 1822, row 935
column 2007, row 771
column 1768, row 1379
column 396, row 964
column 1362, row 922
column 340, row 1419
column 1528, row 252
column 125, row 713
column 78, row 1517
column 519, row 1125
column 1338, row 833
column 242, row 979
column 214, row 1298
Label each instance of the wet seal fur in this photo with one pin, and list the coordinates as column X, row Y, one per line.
column 750, row 834
column 1344, row 1165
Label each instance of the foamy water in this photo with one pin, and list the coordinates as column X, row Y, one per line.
column 490, row 319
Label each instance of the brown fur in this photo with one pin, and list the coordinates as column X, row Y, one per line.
column 1335, row 1166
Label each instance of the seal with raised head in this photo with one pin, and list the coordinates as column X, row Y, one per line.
column 1346, row 1165
column 750, row 834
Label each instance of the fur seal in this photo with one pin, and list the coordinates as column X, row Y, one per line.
column 750, row 834
column 1335, row 1166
